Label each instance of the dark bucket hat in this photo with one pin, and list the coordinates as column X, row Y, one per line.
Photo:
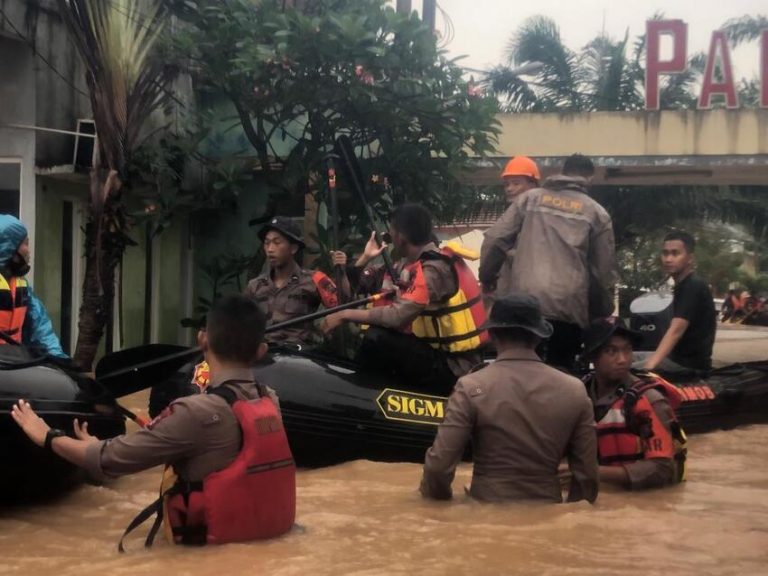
column 286, row 227
column 518, row 311
column 600, row 332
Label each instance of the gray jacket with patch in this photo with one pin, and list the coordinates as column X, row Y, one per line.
column 564, row 251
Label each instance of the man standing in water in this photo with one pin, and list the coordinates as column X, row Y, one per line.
column 563, row 253
column 640, row 444
column 522, row 417
column 687, row 344
column 209, row 440
column 287, row 290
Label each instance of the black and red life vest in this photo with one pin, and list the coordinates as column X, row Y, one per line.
column 253, row 498
column 629, row 430
column 13, row 307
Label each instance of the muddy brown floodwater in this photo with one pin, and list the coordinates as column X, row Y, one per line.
column 366, row 518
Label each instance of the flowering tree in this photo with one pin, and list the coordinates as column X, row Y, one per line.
column 304, row 73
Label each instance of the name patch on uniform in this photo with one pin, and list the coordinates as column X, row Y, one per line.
column 564, row 204
column 411, row 407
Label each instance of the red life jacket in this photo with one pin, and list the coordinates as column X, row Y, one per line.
column 253, row 498
column 13, row 307
column 630, row 430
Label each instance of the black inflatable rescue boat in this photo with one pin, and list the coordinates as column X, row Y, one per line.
column 58, row 398
column 333, row 411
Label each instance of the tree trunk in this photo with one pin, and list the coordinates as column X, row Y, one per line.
column 103, row 247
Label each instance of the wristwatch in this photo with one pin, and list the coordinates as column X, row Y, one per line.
column 50, row 435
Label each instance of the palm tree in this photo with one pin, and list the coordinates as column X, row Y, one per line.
column 611, row 80
column 602, row 76
column 556, row 83
column 117, row 40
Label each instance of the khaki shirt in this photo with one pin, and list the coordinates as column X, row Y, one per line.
column 197, row 435
column 297, row 297
column 441, row 284
column 562, row 248
column 522, row 418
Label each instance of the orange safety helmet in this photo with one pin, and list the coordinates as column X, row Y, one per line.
column 522, row 166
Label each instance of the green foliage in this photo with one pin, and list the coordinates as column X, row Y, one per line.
column 643, row 215
column 225, row 275
column 304, row 76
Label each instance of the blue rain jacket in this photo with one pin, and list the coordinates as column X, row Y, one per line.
column 37, row 331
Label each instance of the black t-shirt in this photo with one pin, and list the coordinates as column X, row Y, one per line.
column 693, row 302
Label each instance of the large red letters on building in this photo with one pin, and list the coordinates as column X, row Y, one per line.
column 718, row 58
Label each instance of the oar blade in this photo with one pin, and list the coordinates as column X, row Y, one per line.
column 139, row 368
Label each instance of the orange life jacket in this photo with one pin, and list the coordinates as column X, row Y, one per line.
column 253, row 498
column 13, row 307
column 630, row 430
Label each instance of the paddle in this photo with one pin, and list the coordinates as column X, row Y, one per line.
column 355, row 175
column 134, row 369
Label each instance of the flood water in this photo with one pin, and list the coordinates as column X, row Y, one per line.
column 366, row 518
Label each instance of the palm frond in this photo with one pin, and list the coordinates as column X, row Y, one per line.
column 117, row 40
column 515, row 93
column 745, row 28
column 557, row 84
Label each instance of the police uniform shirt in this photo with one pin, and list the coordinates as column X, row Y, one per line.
column 522, row 418
column 196, row 434
column 297, row 297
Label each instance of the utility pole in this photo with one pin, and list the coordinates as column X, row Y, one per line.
column 428, row 13
column 428, row 10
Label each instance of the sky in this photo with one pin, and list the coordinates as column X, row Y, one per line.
column 482, row 28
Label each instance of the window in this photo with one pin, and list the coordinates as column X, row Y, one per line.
column 10, row 186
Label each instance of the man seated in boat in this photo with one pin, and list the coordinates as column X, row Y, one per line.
column 430, row 334
column 287, row 290
column 23, row 318
column 521, row 416
column 640, row 443
column 686, row 347
column 229, row 471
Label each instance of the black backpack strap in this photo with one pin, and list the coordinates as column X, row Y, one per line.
column 223, row 391
column 155, row 508
column 230, row 396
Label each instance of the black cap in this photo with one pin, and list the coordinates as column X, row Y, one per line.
column 600, row 331
column 286, row 227
column 518, row 311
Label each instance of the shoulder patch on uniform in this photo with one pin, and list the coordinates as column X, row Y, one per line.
column 211, row 420
column 475, row 390
column 561, row 203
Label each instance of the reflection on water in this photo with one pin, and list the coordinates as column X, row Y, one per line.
column 366, row 518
